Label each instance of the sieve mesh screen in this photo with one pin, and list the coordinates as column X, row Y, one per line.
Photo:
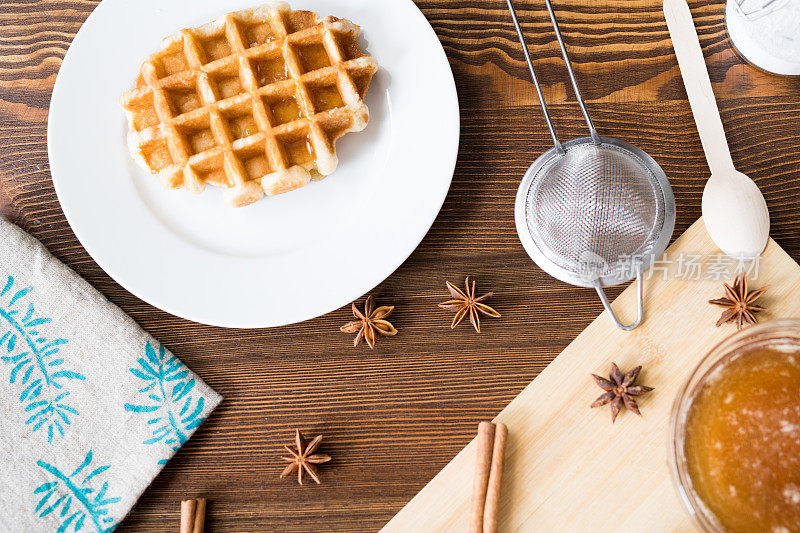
column 594, row 208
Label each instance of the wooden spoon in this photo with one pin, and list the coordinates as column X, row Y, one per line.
column 734, row 210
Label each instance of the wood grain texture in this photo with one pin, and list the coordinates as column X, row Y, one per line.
column 393, row 417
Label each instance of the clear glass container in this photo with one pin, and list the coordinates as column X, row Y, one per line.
column 766, row 33
column 783, row 335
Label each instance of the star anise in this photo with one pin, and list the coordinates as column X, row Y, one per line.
column 369, row 322
column 465, row 303
column 303, row 458
column 620, row 390
column 739, row 303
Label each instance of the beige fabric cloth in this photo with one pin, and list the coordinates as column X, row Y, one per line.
column 91, row 406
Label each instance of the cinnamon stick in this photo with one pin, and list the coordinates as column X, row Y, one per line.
column 480, row 481
column 200, row 516
column 193, row 515
column 188, row 509
column 495, row 479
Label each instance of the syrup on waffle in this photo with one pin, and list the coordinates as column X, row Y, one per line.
column 253, row 102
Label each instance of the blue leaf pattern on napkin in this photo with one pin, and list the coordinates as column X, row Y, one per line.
column 166, row 397
column 73, row 498
column 35, row 364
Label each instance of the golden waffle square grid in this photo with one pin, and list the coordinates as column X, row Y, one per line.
column 253, row 102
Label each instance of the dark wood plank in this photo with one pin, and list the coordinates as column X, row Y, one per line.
column 394, row 416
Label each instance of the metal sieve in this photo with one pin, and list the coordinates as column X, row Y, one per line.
column 592, row 211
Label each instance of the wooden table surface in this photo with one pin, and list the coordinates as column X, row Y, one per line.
column 394, row 416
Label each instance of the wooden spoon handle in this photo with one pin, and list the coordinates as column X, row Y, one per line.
column 698, row 85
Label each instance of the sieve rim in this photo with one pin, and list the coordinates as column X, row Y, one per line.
column 569, row 276
column 537, row 225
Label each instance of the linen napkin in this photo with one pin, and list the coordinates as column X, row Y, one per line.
column 91, row 406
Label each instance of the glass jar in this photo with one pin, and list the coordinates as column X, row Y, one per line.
column 766, row 33
column 781, row 336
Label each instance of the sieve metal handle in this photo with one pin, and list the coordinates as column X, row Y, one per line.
column 553, row 134
column 584, row 110
column 639, row 300
column 592, row 131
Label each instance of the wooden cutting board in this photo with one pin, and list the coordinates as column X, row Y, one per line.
column 568, row 468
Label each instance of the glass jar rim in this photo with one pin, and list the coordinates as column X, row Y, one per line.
column 773, row 330
column 745, row 29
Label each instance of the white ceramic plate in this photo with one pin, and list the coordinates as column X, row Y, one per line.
column 283, row 259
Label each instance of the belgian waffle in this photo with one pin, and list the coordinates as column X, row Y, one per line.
column 253, row 102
